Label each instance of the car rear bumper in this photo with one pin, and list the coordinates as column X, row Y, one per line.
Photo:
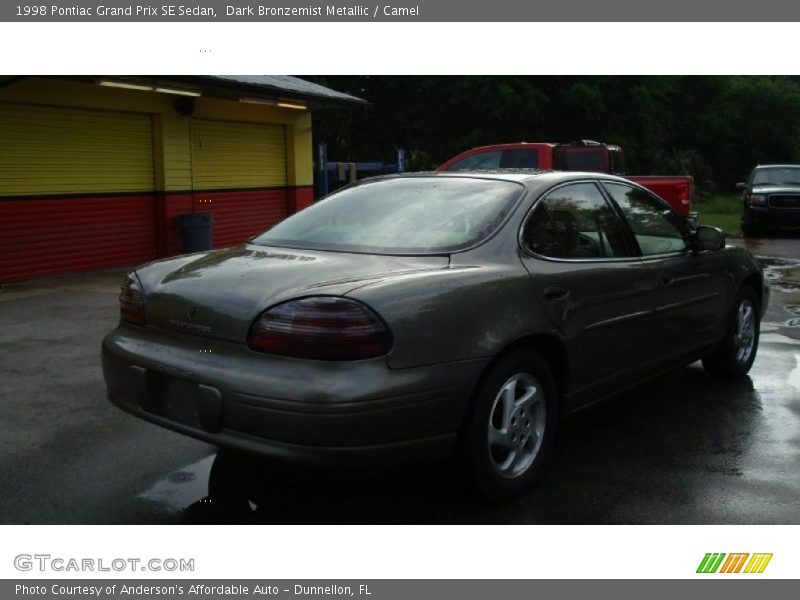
column 316, row 412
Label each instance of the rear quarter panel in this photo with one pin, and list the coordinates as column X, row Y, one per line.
column 464, row 312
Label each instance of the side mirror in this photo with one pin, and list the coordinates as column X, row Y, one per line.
column 709, row 238
column 741, row 186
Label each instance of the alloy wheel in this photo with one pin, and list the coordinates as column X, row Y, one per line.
column 745, row 335
column 516, row 425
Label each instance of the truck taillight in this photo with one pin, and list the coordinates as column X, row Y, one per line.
column 131, row 300
column 321, row 328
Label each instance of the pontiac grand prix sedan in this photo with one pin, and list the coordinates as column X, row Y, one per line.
column 410, row 316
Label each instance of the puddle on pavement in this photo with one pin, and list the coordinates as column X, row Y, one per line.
column 783, row 274
column 794, row 376
column 181, row 488
column 776, row 338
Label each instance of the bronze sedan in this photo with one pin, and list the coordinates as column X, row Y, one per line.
column 418, row 315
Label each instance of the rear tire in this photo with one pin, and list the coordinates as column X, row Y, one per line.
column 735, row 354
column 508, row 433
column 230, row 478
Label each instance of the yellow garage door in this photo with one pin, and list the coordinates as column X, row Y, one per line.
column 227, row 154
column 76, row 190
column 45, row 150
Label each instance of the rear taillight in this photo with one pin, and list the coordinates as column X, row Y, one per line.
column 131, row 300
column 322, row 328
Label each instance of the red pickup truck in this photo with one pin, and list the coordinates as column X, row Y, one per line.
column 583, row 155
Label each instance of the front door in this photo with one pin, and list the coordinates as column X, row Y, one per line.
column 690, row 288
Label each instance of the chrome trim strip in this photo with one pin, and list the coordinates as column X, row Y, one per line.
column 690, row 301
column 620, row 319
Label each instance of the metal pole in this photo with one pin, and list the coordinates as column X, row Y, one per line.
column 322, row 169
column 401, row 160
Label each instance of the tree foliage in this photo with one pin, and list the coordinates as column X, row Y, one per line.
column 715, row 128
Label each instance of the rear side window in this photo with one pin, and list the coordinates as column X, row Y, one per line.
column 575, row 221
column 540, row 236
column 658, row 230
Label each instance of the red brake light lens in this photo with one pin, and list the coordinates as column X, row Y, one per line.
column 322, row 328
column 131, row 300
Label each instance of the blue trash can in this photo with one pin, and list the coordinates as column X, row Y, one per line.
column 196, row 231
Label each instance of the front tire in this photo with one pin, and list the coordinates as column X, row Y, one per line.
column 735, row 354
column 508, row 433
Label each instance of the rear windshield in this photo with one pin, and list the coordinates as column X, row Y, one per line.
column 415, row 215
column 586, row 160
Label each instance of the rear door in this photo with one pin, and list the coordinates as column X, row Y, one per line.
column 593, row 286
column 691, row 288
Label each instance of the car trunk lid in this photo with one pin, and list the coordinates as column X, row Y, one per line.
column 219, row 294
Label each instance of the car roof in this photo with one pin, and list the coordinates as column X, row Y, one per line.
column 778, row 166
column 507, row 146
column 518, row 175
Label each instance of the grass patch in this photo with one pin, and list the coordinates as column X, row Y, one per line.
column 721, row 210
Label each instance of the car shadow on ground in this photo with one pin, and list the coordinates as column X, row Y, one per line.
column 667, row 444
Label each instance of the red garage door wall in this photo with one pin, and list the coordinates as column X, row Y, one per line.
column 46, row 236
column 238, row 214
column 77, row 188
column 50, row 236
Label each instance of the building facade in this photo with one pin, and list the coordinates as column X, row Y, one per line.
column 95, row 172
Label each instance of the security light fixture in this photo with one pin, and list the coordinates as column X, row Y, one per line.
column 125, row 85
column 292, row 105
column 266, row 101
column 177, row 92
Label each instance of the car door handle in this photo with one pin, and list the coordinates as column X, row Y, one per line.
column 555, row 293
column 664, row 280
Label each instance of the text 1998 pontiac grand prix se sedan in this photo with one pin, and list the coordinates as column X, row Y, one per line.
column 416, row 315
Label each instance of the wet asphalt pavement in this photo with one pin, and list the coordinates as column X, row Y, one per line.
column 681, row 449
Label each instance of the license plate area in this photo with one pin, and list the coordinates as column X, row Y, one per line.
column 174, row 398
column 182, row 400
